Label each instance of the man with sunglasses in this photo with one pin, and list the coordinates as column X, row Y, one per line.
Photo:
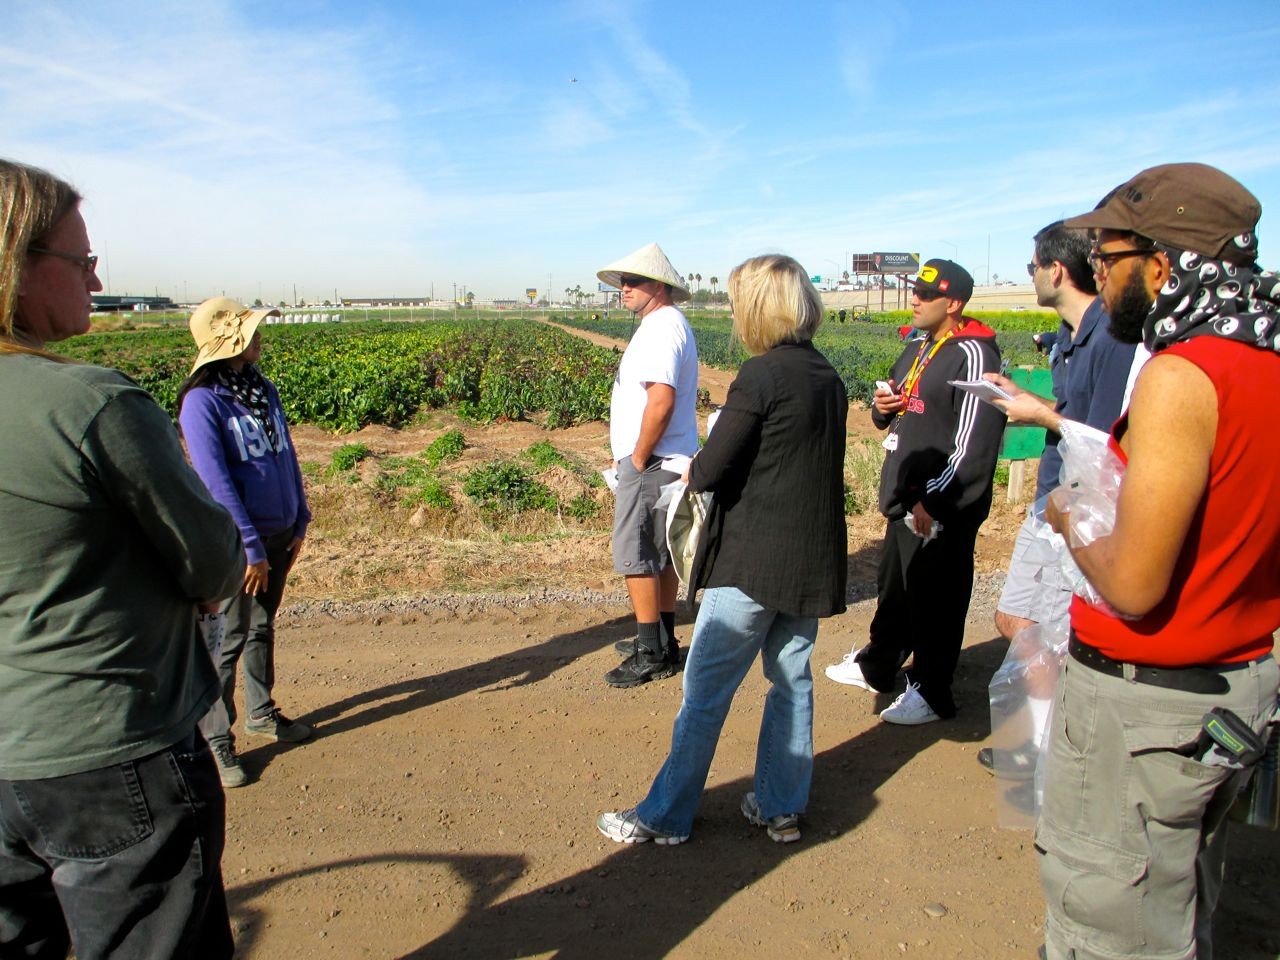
column 1093, row 374
column 652, row 418
column 1140, row 776
column 935, row 492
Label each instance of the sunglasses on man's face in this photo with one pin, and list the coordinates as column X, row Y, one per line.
column 626, row 281
column 1103, row 260
column 925, row 296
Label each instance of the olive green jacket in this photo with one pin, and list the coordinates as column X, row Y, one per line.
column 109, row 539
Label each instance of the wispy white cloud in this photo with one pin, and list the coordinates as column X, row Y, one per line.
column 221, row 145
column 865, row 35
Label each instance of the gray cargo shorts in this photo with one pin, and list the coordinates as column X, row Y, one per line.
column 640, row 534
column 1034, row 588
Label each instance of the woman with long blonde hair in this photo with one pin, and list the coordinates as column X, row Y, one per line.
column 773, row 560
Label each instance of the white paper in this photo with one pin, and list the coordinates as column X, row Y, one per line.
column 610, row 478
column 936, row 529
column 982, row 389
column 677, row 464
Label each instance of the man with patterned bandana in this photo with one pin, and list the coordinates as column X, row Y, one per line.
column 1132, row 831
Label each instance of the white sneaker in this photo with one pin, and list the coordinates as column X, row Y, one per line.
column 848, row 672
column 910, row 708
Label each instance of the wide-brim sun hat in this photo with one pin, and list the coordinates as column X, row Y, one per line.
column 223, row 328
column 649, row 262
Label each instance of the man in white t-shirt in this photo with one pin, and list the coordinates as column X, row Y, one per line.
column 652, row 417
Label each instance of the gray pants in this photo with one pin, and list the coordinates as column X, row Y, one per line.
column 1132, row 833
column 249, row 637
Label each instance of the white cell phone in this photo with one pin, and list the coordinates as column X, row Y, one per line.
column 884, row 385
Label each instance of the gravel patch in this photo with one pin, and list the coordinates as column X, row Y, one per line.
column 986, row 591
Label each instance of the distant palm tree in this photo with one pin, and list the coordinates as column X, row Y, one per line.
column 698, row 277
column 713, row 281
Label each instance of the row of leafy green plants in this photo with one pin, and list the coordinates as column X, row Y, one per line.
column 498, row 488
column 344, row 376
column 502, row 488
column 862, row 351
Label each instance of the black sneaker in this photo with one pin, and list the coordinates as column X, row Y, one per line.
column 640, row 667
column 276, row 726
column 230, row 772
column 675, row 653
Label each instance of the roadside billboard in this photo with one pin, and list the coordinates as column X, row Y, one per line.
column 896, row 262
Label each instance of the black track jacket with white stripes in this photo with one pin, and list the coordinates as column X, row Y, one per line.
column 947, row 440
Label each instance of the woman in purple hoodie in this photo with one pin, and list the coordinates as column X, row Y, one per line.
column 240, row 446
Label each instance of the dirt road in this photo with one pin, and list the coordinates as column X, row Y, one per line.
column 463, row 749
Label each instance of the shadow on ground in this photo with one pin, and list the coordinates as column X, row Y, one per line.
column 641, row 900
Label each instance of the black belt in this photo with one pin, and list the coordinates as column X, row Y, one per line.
column 1190, row 679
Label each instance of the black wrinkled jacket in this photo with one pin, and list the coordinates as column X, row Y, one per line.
column 775, row 462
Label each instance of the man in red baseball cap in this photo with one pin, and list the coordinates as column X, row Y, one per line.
column 1167, row 693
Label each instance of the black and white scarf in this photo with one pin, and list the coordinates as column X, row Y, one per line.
column 249, row 386
column 1215, row 298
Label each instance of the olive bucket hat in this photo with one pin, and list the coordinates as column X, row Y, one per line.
column 1189, row 206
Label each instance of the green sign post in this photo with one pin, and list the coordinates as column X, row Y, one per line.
column 1024, row 443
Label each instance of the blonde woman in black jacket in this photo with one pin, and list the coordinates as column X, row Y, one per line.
column 773, row 559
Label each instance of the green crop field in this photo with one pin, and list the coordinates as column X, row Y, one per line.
column 862, row 351
column 343, row 376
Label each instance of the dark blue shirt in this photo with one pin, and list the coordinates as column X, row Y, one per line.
column 1090, row 372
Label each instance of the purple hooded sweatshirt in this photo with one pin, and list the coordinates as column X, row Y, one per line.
column 261, row 487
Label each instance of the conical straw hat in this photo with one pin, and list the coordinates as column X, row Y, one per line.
column 649, row 261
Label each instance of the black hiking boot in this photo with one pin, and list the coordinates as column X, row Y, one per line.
column 642, row 666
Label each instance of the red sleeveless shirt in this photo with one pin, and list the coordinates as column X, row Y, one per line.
column 1223, row 602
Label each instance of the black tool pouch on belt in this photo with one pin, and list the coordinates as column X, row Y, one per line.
column 1227, row 741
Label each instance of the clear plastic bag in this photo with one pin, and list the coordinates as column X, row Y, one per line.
column 1022, row 693
column 1089, row 490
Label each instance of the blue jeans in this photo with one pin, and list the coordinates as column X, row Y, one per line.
column 120, row 862
column 731, row 629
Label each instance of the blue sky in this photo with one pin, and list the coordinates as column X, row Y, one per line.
column 400, row 147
